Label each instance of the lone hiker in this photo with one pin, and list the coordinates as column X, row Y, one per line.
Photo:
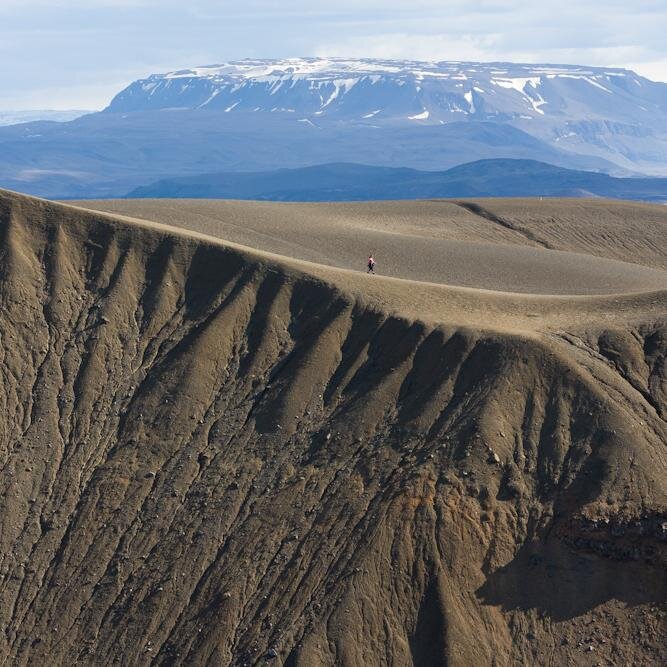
column 371, row 264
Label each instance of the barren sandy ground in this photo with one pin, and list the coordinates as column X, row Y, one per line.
column 492, row 244
column 611, row 255
column 222, row 442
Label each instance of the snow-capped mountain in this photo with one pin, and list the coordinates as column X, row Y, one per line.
column 416, row 91
column 611, row 113
column 265, row 115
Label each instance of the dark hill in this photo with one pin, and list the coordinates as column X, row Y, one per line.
column 353, row 182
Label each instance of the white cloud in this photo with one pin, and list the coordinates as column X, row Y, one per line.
column 656, row 70
column 30, row 5
column 407, row 46
column 74, row 52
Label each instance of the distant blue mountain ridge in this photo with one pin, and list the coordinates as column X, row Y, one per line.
column 350, row 182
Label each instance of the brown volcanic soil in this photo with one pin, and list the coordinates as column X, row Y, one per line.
column 212, row 455
column 505, row 245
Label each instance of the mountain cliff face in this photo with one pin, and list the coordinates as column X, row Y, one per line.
column 612, row 113
column 426, row 92
column 211, row 459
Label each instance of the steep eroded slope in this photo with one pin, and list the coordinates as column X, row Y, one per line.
column 211, row 459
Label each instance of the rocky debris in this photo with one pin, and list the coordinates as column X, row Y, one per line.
column 620, row 538
column 493, row 457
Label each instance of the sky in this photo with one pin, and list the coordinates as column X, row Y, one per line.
column 76, row 54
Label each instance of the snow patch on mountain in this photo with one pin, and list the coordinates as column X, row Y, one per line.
column 519, row 83
column 469, row 98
